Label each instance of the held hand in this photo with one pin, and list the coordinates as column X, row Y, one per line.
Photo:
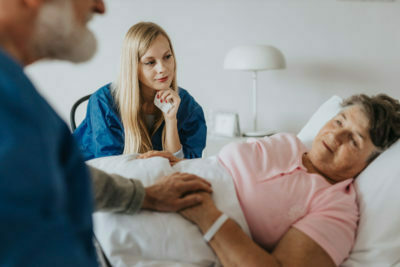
column 203, row 215
column 175, row 192
column 172, row 97
column 164, row 154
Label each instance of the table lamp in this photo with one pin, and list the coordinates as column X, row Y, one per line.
column 254, row 58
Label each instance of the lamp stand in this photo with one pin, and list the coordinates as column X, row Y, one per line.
column 255, row 132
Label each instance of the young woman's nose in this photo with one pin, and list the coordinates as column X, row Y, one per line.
column 160, row 67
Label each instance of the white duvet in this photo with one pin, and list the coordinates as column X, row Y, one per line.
column 156, row 238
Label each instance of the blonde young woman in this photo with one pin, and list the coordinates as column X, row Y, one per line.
column 122, row 117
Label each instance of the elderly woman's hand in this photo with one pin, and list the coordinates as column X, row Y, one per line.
column 204, row 214
column 164, row 154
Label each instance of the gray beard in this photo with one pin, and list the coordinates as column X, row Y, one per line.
column 57, row 35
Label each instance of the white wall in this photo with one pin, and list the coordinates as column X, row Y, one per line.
column 331, row 47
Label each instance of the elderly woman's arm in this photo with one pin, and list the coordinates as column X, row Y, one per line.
column 234, row 248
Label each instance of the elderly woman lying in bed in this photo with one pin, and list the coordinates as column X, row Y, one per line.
column 300, row 205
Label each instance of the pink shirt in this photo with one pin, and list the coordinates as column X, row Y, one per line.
column 276, row 192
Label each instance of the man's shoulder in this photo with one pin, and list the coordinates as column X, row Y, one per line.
column 7, row 62
column 22, row 108
column 13, row 80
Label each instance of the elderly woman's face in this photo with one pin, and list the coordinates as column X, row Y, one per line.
column 343, row 146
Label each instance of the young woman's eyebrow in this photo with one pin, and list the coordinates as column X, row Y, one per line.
column 151, row 57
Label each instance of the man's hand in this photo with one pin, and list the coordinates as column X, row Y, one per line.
column 203, row 215
column 175, row 192
column 164, row 154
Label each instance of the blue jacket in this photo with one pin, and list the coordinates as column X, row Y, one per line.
column 101, row 133
column 45, row 189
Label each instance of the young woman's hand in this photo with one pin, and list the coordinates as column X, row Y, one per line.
column 165, row 154
column 172, row 97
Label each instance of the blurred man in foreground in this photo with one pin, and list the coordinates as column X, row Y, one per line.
column 46, row 198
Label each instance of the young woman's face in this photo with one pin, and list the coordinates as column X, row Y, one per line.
column 342, row 147
column 157, row 66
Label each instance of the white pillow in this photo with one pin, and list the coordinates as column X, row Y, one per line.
column 378, row 187
column 378, row 236
column 325, row 112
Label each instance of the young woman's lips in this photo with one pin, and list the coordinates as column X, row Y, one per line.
column 163, row 79
column 327, row 147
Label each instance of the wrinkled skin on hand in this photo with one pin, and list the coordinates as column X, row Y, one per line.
column 175, row 192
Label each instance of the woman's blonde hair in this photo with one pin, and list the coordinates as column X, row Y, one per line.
column 127, row 91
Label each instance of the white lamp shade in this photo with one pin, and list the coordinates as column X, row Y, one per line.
column 254, row 57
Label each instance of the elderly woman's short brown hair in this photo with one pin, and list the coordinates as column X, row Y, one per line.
column 383, row 113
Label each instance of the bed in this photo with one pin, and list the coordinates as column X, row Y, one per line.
column 166, row 239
